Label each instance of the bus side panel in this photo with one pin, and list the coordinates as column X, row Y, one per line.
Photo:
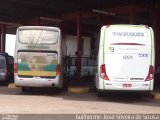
column 153, row 56
column 99, row 81
column 60, row 60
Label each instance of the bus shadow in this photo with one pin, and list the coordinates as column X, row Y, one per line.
column 4, row 90
column 112, row 97
column 42, row 91
column 118, row 97
column 135, row 98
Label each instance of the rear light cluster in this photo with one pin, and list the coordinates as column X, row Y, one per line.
column 150, row 73
column 103, row 72
column 15, row 67
column 58, row 70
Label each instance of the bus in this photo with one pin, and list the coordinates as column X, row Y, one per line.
column 39, row 57
column 126, row 58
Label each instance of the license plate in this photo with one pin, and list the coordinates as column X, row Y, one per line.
column 127, row 85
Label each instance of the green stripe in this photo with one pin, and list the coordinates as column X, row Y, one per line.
column 151, row 47
column 25, row 67
column 50, row 67
column 151, row 55
column 104, row 38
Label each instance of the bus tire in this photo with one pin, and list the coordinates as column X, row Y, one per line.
column 25, row 89
column 57, row 90
column 100, row 93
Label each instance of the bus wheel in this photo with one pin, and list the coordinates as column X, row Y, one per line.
column 100, row 93
column 57, row 90
column 25, row 89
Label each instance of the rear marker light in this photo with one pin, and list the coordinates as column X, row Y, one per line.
column 15, row 67
column 103, row 72
column 150, row 73
column 58, row 70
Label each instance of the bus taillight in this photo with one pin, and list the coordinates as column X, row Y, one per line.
column 58, row 70
column 15, row 67
column 103, row 72
column 150, row 73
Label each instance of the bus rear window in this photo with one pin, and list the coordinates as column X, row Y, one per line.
column 38, row 36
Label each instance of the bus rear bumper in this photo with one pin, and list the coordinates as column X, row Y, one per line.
column 127, row 86
column 38, row 82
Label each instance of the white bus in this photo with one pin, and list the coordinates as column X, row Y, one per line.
column 38, row 59
column 125, row 58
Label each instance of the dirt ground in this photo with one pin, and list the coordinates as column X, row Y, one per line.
column 12, row 100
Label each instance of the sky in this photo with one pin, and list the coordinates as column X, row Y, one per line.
column 10, row 44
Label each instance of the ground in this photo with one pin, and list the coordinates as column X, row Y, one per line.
column 12, row 100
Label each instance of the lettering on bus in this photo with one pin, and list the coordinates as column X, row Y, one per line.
column 37, row 47
column 136, row 78
column 127, row 57
column 111, row 49
column 132, row 34
column 143, row 55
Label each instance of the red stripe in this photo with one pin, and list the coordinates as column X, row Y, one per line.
column 127, row 44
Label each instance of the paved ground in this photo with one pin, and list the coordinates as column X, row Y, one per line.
column 44, row 102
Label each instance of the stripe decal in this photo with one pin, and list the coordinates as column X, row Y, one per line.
column 103, row 44
column 151, row 56
column 128, row 44
column 37, row 73
column 104, row 38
